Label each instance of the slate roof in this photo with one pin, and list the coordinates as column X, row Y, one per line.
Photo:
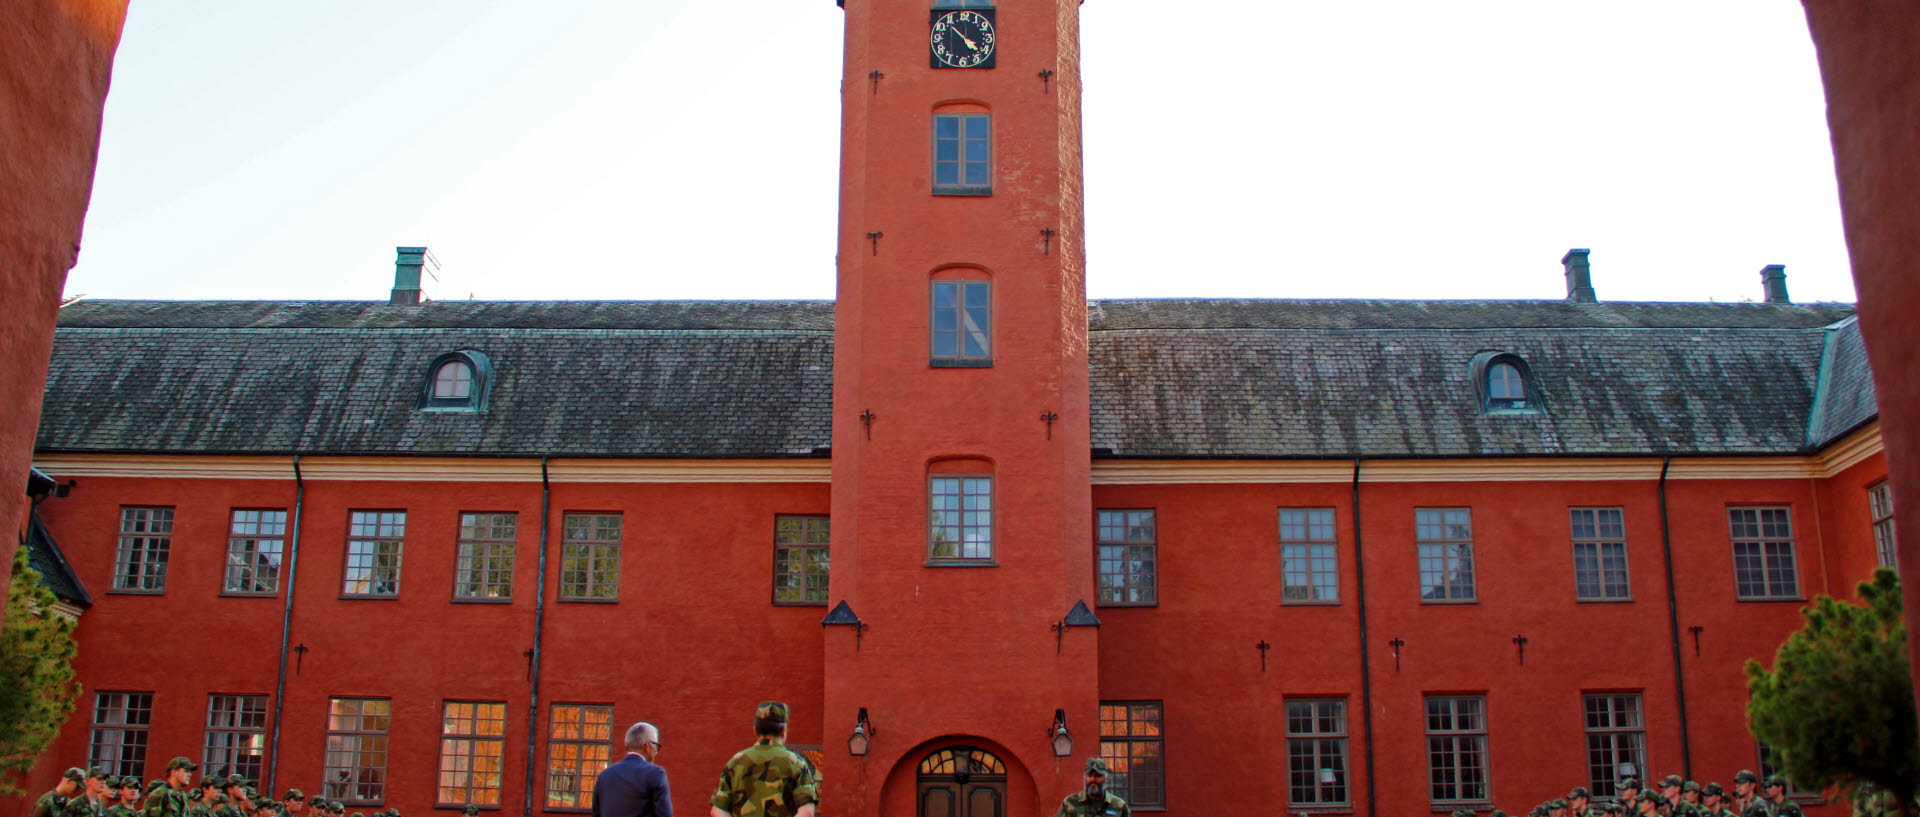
column 45, row 557
column 1171, row 378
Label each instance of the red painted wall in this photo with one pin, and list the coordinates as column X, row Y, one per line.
column 55, row 57
column 692, row 645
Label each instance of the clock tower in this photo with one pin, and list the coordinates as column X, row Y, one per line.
column 961, row 500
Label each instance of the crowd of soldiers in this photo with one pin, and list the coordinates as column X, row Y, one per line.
column 96, row 793
column 1674, row 797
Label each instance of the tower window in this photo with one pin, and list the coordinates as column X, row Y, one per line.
column 1502, row 382
column 457, row 381
column 962, row 154
column 962, row 322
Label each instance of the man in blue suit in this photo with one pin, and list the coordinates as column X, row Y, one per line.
column 634, row 787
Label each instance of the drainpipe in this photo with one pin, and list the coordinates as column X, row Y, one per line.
column 1673, row 626
column 539, row 621
column 1366, row 674
column 286, row 627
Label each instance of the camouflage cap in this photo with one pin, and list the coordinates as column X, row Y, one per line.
column 1496, row 813
column 212, row 781
column 294, row 795
column 358, row 814
column 1616, row 808
column 195, row 795
column 181, row 763
column 75, row 774
column 130, row 782
column 1538, row 811
column 337, row 807
column 1579, row 792
column 771, row 710
column 1690, row 786
column 1671, row 780
column 1713, row 790
column 97, row 773
column 1554, row 804
column 1776, row 780
column 1628, row 783
column 1463, row 813
column 1095, row 764
column 234, row 781
column 1745, row 776
column 252, row 793
column 471, row 809
column 1651, row 796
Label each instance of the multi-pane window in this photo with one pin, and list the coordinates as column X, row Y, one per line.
column 962, row 153
column 1456, row 748
column 373, row 553
column 1445, row 543
column 356, row 760
column 140, row 562
column 1130, row 743
column 472, row 749
column 1127, row 561
column 483, row 568
column 579, row 744
column 453, row 381
column 236, row 735
column 1616, row 740
column 800, row 559
column 255, row 542
column 1308, row 572
column 1600, row 554
column 960, row 518
column 590, row 558
column 1880, row 503
column 118, row 741
column 962, row 322
column 1506, row 388
column 1317, row 753
column 1763, row 554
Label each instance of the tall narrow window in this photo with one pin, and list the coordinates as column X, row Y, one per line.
column 255, row 542
column 962, row 154
column 1445, row 542
column 1457, row 749
column 800, row 559
column 1616, row 740
column 1131, row 744
column 1128, row 569
column 356, row 760
column 1309, row 573
column 1763, row 565
column 1600, row 555
column 1880, row 502
column 374, row 539
column 579, row 747
column 118, row 740
column 1317, row 753
column 236, row 735
column 472, row 747
column 960, row 519
column 962, row 321
column 590, row 559
column 483, row 568
column 140, row 563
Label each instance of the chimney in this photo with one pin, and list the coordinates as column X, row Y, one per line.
column 1774, row 279
column 1579, row 277
column 407, row 271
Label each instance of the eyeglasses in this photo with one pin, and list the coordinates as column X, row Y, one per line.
column 656, row 744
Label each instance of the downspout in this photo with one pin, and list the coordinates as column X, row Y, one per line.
column 286, row 627
column 1366, row 674
column 539, row 621
column 1673, row 627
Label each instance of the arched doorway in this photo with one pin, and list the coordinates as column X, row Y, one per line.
column 961, row 781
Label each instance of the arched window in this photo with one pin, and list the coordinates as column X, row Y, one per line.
column 457, row 381
column 1503, row 382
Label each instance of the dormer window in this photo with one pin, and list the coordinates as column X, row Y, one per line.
column 1501, row 381
column 457, row 381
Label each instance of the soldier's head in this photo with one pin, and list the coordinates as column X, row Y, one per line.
column 1743, row 783
column 470, row 810
column 1776, row 787
column 643, row 739
column 180, row 772
column 1578, row 798
column 130, row 789
column 1648, row 802
column 1462, row 813
column 1690, row 792
column 1628, row 788
column 1670, row 786
column 295, row 800
column 338, row 807
column 770, row 720
column 97, row 779
column 71, row 782
column 1712, row 793
column 1095, row 772
column 1616, row 810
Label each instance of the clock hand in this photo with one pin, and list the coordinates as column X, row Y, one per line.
column 968, row 40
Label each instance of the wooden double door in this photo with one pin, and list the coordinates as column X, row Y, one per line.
column 961, row 781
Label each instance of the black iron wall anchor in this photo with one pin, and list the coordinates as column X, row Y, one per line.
column 876, row 76
column 875, row 238
column 529, row 655
column 1263, row 646
column 1521, row 642
column 299, row 658
column 1696, row 630
column 1048, row 418
column 1046, row 80
column 1046, row 240
column 866, row 419
column 1396, row 644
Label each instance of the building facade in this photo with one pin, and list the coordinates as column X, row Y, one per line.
column 1372, row 557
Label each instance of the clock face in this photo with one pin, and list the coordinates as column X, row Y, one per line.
column 963, row 39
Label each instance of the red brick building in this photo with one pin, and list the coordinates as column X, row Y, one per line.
column 1367, row 557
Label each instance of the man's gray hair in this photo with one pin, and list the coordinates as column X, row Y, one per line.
column 641, row 733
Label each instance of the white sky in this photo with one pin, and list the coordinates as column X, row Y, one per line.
column 643, row 149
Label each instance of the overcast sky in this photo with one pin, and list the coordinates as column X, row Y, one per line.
column 660, row 149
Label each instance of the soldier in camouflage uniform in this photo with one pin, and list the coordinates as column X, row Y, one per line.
column 1713, row 801
column 1094, row 800
column 1627, row 792
column 1580, row 802
column 51, row 804
column 1744, row 794
column 170, row 800
column 126, row 797
column 1690, row 795
column 294, row 802
column 767, row 779
column 91, row 803
column 209, row 797
column 1776, row 803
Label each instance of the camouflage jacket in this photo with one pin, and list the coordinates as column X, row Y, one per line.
column 1077, row 804
column 166, row 801
column 50, row 804
column 765, row 780
column 82, row 806
column 1784, row 808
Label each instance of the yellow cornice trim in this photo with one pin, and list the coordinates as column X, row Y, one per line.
column 433, row 469
column 164, row 466
column 1852, row 450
